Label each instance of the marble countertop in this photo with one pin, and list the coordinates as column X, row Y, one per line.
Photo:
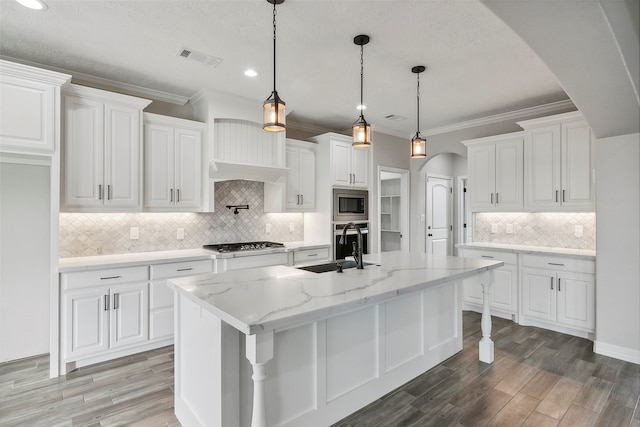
column 271, row 298
column 85, row 263
column 532, row 250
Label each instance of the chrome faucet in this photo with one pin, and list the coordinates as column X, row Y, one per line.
column 357, row 248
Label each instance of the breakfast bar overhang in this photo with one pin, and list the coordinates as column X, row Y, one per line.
column 278, row 346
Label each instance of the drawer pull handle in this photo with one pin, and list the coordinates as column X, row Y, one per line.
column 110, row 277
column 106, row 303
column 486, row 256
column 555, row 263
column 310, row 255
column 185, row 269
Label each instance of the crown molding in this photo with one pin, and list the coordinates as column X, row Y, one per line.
column 512, row 115
column 107, row 84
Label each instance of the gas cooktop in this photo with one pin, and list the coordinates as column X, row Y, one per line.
column 245, row 246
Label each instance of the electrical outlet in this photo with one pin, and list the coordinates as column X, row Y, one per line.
column 422, row 218
column 509, row 228
column 291, row 227
column 578, row 230
column 494, row 228
column 134, row 233
column 267, row 228
column 180, row 234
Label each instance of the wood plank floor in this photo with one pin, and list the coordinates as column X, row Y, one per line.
column 539, row 378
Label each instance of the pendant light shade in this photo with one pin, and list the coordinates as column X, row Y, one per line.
column 273, row 109
column 361, row 133
column 418, row 143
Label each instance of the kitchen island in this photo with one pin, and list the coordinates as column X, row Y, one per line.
column 282, row 346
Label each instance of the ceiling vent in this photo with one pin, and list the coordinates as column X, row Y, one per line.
column 395, row 117
column 199, row 56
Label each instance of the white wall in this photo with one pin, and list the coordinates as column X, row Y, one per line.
column 618, row 247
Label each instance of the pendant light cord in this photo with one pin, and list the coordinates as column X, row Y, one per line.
column 418, row 102
column 274, row 48
column 361, row 80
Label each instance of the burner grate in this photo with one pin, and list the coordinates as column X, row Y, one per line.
column 243, row 246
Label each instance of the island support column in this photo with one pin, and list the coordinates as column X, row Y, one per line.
column 485, row 347
column 259, row 352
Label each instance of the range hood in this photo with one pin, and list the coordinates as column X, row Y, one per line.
column 225, row 171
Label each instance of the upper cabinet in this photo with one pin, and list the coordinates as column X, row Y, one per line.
column 29, row 108
column 559, row 163
column 349, row 167
column 172, row 163
column 495, row 168
column 101, row 161
column 301, row 177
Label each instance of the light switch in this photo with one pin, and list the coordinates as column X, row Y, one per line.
column 134, row 233
column 578, row 230
column 422, row 218
column 494, row 228
column 180, row 234
column 291, row 227
column 267, row 228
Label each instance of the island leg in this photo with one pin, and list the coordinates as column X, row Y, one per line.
column 259, row 352
column 485, row 347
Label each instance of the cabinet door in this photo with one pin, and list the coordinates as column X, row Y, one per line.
column 576, row 295
column 307, row 179
column 83, row 152
column 509, row 174
column 577, row 166
column 122, row 156
column 158, row 166
column 341, row 163
column 86, row 322
column 360, row 167
column 129, row 314
column 542, row 167
column 472, row 291
column 538, row 294
column 481, row 176
column 504, row 289
column 187, row 168
column 293, row 178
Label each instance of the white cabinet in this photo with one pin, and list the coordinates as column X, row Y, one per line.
column 559, row 163
column 103, row 310
column 172, row 163
column 251, row 261
column 29, row 108
column 301, row 177
column 350, row 166
column 161, row 295
column 495, row 168
column 504, row 290
column 101, row 151
column 559, row 291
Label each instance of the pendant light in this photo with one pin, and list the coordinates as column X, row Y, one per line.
column 273, row 114
column 361, row 137
column 418, row 143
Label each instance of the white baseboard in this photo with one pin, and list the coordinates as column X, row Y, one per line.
column 617, row 352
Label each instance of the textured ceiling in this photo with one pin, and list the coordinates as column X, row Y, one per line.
column 476, row 65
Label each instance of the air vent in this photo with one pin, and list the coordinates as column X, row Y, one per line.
column 199, row 57
column 395, row 117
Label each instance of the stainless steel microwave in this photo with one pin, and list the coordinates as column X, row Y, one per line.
column 350, row 205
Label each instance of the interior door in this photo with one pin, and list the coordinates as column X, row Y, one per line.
column 439, row 221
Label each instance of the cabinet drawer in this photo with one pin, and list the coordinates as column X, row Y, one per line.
column 559, row 263
column 306, row 255
column 180, row 269
column 506, row 257
column 107, row 277
column 252, row 261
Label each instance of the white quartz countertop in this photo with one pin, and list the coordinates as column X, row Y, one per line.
column 532, row 250
column 271, row 298
column 66, row 265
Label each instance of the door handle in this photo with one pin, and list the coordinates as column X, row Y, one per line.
column 551, row 282
column 556, row 195
column 106, row 303
column 99, row 191
column 116, row 299
column 178, row 195
column 171, row 195
column 491, row 198
column 497, row 198
column 109, row 192
column 563, row 191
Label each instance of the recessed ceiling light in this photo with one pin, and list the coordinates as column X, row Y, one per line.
column 250, row 72
column 361, row 107
column 33, row 4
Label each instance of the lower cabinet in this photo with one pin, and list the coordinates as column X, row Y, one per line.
column 559, row 291
column 504, row 291
column 251, row 261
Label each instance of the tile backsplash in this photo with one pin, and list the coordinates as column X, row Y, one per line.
column 551, row 229
column 86, row 234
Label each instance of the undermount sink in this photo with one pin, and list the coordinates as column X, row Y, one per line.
column 330, row 266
